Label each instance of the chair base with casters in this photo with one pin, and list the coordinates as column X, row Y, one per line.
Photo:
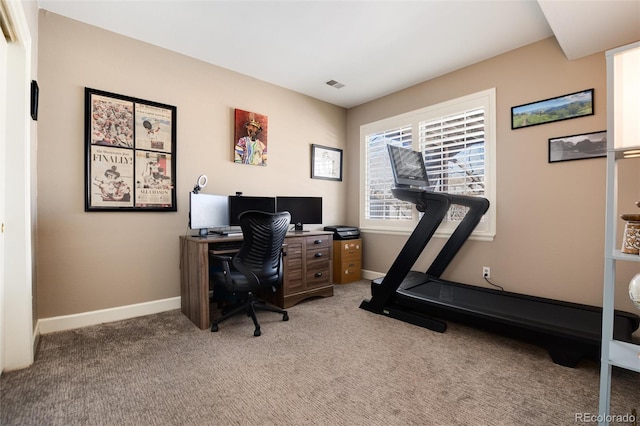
column 250, row 306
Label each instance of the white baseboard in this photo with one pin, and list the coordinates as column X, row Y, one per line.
column 69, row 322
column 371, row 275
column 85, row 319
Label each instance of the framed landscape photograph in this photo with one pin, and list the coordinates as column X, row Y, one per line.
column 578, row 147
column 573, row 105
column 326, row 163
column 130, row 153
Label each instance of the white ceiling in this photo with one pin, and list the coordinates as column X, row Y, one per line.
column 374, row 48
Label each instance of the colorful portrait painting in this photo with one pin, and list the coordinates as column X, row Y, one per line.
column 250, row 141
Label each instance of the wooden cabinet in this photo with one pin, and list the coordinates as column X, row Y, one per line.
column 347, row 261
column 307, row 268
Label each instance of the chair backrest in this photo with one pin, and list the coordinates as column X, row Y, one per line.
column 261, row 252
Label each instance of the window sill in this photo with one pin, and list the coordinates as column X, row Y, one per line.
column 475, row 236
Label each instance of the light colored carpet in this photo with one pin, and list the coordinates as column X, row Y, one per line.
column 331, row 364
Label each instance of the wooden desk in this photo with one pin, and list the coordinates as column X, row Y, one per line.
column 307, row 271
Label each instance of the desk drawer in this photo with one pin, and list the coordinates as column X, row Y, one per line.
column 318, row 241
column 349, row 246
column 318, row 255
column 348, row 272
column 350, row 249
column 318, row 275
column 350, row 256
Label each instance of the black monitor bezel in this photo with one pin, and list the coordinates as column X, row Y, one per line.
column 266, row 204
column 304, row 210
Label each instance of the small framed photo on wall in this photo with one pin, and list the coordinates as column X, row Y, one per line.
column 326, row 163
column 578, row 147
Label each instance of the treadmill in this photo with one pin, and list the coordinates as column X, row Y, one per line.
column 569, row 331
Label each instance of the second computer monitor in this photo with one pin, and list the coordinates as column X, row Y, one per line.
column 208, row 212
column 303, row 210
column 240, row 203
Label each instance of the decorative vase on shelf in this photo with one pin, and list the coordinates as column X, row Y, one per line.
column 634, row 290
column 631, row 236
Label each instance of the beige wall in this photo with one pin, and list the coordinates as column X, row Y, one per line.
column 550, row 217
column 98, row 260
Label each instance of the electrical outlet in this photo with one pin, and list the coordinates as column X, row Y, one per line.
column 486, row 272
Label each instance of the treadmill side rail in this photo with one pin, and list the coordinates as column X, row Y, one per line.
column 435, row 207
column 478, row 206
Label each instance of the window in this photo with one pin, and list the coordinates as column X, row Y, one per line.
column 457, row 140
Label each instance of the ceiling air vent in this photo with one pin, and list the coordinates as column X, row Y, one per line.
column 335, row 84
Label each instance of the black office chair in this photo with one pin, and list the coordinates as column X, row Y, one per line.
column 257, row 265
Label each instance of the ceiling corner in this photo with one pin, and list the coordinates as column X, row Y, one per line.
column 586, row 27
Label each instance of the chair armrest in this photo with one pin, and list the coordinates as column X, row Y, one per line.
column 225, row 260
column 244, row 270
column 221, row 257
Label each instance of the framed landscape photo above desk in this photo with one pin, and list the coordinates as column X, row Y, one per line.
column 130, row 153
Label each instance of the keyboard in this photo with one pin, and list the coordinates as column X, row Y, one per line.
column 227, row 230
column 226, row 246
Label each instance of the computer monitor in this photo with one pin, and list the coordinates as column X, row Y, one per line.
column 407, row 166
column 240, row 203
column 303, row 210
column 208, row 212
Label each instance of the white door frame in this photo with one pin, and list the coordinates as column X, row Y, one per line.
column 3, row 138
column 16, row 258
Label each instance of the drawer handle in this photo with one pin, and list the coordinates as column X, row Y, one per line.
column 317, row 255
column 318, row 274
column 317, row 242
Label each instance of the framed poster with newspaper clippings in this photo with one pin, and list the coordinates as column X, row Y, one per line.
column 130, row 153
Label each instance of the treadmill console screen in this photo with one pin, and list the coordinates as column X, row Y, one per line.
column 408, row 167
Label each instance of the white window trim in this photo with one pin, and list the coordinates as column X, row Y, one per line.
column 486, row 98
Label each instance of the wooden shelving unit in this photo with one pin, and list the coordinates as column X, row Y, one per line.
column 614, row 352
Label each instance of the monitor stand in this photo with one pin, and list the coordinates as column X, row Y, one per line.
column 298, row 228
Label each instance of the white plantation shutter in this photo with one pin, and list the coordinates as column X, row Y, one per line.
column 453, row 149
column 457, row 140
column 380, row 204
